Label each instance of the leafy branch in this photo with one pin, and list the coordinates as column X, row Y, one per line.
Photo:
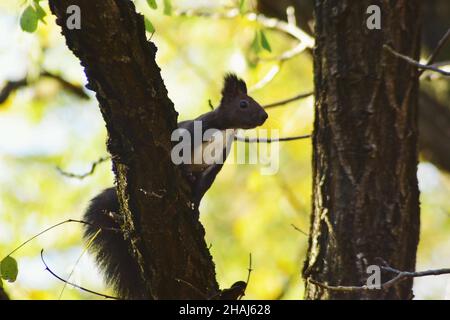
column 8, row 265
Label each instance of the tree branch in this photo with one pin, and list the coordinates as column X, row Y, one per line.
column 268, row 140
column 399, row 276
column 416, row 63
column 270, row 23
column 57, row 225
column 68, row 86
column 303, row 11
column 286, row 101
column 11, row 86
column 305, row 41
column 299, row 230
column 47, row 268
column 434, row 143
column 437, row 50
column 83, row 175
column 165, row 235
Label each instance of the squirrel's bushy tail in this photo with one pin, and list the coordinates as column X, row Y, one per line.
column 112, row 251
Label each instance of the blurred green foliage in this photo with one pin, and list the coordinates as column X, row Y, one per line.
column 43, row 127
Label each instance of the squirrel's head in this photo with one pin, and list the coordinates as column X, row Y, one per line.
column 237, row 109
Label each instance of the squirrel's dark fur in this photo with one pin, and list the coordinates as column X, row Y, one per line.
column 111, row 249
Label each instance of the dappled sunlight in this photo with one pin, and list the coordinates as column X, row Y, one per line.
column 44, row 127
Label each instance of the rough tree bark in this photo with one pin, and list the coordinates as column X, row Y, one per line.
column 434, row 118
column 168, row 240
column 3, row 295
column 365, row 193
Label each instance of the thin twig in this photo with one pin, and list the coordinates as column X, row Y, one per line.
column 298, row 229
column 289, row 100
column 290, row 15
column 10, row 87
column 249, row 270
column 237, row 290
column 338, row 288
column 437, row 50
column 270, row 23
column 305, row 41
column 277, row 103
column 266, row 140
column 75, row 89
column 418, row 274
column 210, row 104
column 416, row 63
column 73, row 284
column 57, row 225
column 289, row 28
column 85, row 249
column 193, row 287
column 400, row 276
column 271, row 74
column 286, row 55
column 84, row 175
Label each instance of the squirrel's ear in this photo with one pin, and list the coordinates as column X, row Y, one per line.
column 233, row 86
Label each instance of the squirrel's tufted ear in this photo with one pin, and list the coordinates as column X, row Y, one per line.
column 233, row 86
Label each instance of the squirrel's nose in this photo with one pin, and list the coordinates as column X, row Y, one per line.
column 263, row 116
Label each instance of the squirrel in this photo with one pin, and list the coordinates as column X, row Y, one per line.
column 112, row 250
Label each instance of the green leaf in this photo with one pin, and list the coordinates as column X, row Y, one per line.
column 255, row 46
column 29, row 20
column 152, row 4
column 167, row 7
column 8, row 269
column 264, row 42
column 1, row 283
column 39, row 11
column 149, row 26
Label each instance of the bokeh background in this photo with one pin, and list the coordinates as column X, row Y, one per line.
column 43, row 126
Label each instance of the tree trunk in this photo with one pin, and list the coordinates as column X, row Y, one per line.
column 167, row 238
column 365, row 193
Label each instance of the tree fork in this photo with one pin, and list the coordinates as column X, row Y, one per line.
column 167, row 238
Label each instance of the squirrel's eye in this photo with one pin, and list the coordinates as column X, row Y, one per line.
column 243, row 104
